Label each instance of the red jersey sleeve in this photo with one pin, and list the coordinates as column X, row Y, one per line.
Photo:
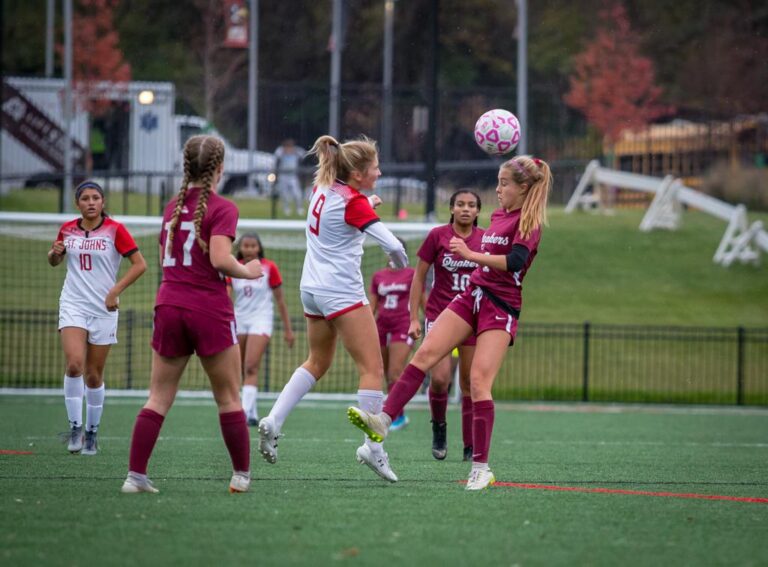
column 531, row 243
column 124, row 242
column 428, row 249
column 359, row 213
column 224, row 221
column 275, row 279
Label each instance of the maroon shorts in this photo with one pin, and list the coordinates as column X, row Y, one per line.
column 389, row 334
column 481, row 313
column 181, row 332
column 471, row 339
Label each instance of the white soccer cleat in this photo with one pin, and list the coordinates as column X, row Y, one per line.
column 480, row 479
column 135, row 483
column 75, row 439
column 268, row 436
column 378, row 462
column 241, row 482
column 91, row 446
column 374, row 425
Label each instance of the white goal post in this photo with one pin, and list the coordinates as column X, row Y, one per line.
column 740, row 241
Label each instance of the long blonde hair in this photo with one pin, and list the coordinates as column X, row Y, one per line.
column 338, row 161
column 202, row 157
column 535, row 178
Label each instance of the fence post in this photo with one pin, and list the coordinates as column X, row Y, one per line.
column 740, row 366
column 585, row 367
column 129, row 349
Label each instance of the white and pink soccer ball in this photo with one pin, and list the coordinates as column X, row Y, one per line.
column 497, row 132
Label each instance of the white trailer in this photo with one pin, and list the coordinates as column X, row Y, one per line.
column 143, row 145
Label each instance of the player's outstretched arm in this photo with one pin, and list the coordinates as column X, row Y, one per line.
column 389, row 243
column 220, row 253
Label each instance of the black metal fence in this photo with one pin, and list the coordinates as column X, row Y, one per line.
column 580, row 362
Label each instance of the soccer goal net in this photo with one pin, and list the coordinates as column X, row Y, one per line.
column 30, row 352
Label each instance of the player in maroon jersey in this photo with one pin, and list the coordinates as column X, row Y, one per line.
column 194, row 314
column 451, row 278
column 390, row 291
column 489, row 307
column 94, row 245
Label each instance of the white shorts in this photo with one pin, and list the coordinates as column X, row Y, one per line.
column 254, row 325
column 327, row 307
column 101, row 330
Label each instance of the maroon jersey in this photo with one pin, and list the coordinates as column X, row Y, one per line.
column 189, row 279
column 498, row 239
column 451, row 272
column 393, row 288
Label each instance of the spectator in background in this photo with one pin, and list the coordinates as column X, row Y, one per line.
column 287, row 159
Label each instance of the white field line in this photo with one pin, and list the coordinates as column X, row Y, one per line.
column 324, row 401
column 583, row 443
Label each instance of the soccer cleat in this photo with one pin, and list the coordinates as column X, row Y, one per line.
column 378, row 462
column 135, row 483
column 241, row 482
column 253, row 421
column 439, row 441
column 480, row 479
column 373, row 425
column 400, row 423
column 91, row 445
column 467, row 453
column 75, row 440
column 268, row 440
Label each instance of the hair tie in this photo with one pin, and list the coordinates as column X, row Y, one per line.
column 537, row 161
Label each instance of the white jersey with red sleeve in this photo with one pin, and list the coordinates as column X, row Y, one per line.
column 336, row 219
column 93, row 259
column 253, row 298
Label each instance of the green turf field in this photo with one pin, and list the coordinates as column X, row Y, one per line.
column 317, row 506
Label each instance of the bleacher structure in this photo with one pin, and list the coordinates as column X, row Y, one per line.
column 741, row 241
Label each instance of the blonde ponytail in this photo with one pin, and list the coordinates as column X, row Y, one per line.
column 534, row 175
column 338, row 161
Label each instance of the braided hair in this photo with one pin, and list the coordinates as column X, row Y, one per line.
column 203, row 155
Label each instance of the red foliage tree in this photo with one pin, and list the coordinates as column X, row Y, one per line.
column 613, row 85
column 96, row 54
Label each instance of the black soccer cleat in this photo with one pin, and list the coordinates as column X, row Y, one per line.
column 439, row 440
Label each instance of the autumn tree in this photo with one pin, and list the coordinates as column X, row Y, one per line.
column 613, row 85
column 96, row 54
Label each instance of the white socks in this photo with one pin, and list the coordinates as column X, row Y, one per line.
column 249, row 401
column 94, row 399
column 480, row 466
column 73, row 399
column 297, row 387
column 371, row 401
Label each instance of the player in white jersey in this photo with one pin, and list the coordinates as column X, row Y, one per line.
column 93, row 245
column 332, row 290
column 254, row 313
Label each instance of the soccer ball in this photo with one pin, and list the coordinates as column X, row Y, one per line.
column 497, row 132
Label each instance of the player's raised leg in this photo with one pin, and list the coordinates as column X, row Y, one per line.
column 321, row 336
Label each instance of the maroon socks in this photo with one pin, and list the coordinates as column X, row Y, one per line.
column 466, row 420
column 145, row 433
column 234, row 430
column 482, row 428
column 403, row 390
column 438, row 404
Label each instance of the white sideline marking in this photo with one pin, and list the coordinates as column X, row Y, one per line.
column 633, row 443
